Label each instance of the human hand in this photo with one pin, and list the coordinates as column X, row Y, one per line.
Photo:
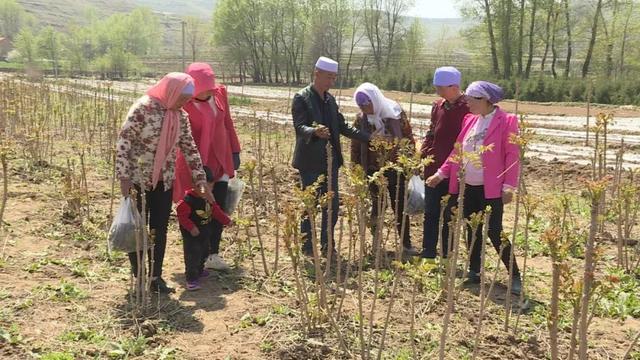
column 322, row 132
column 195, row 231
column 433, row 180
column 125, row 187
column 507, row 196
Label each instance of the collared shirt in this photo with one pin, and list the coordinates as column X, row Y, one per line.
column 473, row 140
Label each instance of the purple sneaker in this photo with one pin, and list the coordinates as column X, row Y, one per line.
column 193, row 285
column 204, row 274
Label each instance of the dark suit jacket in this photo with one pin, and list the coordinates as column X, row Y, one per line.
column 308, row 110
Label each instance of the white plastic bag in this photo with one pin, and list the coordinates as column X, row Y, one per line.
column 415, row 198
column 234, row 194
column 126, row 224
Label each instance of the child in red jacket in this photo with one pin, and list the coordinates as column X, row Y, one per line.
column 194, row 216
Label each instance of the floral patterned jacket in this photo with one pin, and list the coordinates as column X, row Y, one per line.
column 138, row 140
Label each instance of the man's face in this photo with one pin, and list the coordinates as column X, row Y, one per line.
column 325, row 79
column 447, row 92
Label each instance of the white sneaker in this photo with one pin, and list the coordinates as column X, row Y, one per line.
column 215, row 262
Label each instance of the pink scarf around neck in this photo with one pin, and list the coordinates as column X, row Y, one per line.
column 167, row 92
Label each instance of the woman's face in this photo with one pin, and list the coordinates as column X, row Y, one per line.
column 479, row 105
column 367, row 109
column 182, row 100
column 204, row 95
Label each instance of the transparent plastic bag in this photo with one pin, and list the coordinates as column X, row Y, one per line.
column 126, row 224
column 415, row 198
column 234, row 194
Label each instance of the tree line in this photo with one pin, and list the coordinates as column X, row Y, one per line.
column 112, row 45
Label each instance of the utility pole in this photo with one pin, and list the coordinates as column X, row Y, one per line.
column 184, row 65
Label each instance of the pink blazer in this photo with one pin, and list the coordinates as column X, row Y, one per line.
column 501, row 165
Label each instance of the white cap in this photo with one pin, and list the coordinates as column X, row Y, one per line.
column 326, row 64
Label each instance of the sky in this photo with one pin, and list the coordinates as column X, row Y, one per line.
column 435, row 9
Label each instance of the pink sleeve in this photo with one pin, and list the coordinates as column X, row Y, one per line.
column 511, row 153
column 231, row 130
column 445, row 169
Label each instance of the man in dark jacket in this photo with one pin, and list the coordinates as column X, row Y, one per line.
column 446, row 121
column 317, row 122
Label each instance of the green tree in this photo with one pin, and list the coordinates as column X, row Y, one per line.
column 195, row 35
column 240, row 25
column 27, row 46
column 78, row 49
column 49, row 47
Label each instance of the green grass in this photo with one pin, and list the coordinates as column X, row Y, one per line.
column 239, row 101
column 10, row 66
column 57, row 356
column 128, row 348
column 64, row 292
column 620, row 295
column 87, row 335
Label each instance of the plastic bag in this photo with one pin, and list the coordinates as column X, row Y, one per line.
column 234, row 194
column 126, row 224
column 415, row 198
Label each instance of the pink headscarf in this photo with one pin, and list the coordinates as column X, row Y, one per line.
column 204, row 76
column 167, row 91
column 202, row 117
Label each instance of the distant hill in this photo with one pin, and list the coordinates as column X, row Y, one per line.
column 448, row 28
column 61, row 13
column 200, row 8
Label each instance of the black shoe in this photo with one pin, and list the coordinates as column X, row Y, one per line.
column 159, row 286
column 410, row 251
column 472, row 278
column 307, row 251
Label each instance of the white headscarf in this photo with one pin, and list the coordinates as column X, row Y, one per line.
column 383, row 108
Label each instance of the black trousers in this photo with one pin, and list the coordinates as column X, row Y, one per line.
column 158, row 209
column 395, row 184
column 220, row 195
column 307, row 178
column 431, row 225
column 196, row 249
column 475, row 201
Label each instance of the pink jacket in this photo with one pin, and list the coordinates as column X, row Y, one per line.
column 501, row 165
column 214, row 133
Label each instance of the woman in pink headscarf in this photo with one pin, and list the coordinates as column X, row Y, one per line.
column 146, row 154
column 217, row 141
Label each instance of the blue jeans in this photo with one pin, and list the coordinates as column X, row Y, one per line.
column 307, row 178
column 431, row 229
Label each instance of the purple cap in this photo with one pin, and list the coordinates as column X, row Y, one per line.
column 362, row 99
column 446, row 75
column 485, row 89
